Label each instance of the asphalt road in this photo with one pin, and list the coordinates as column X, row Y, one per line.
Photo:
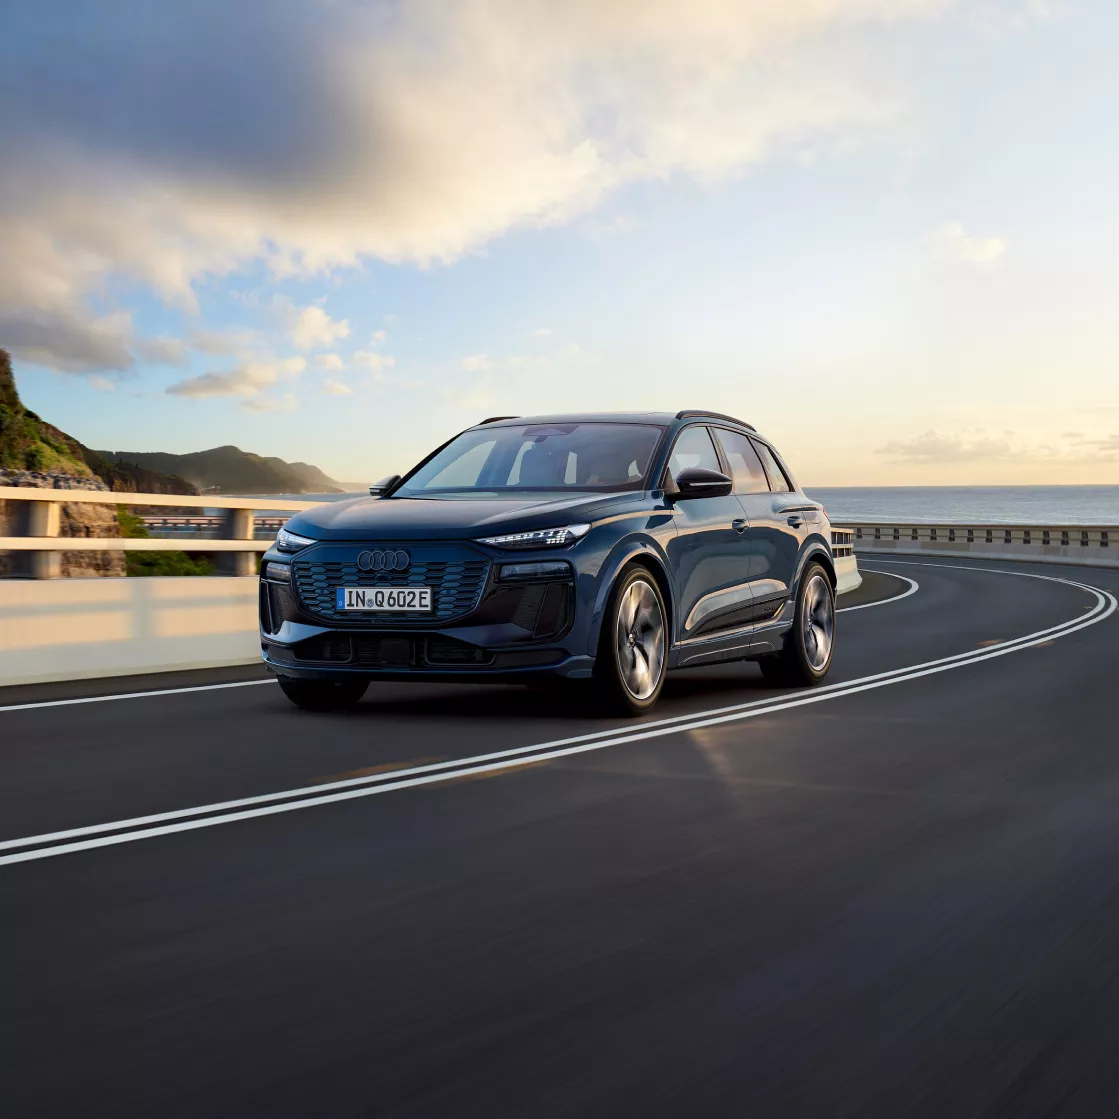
column 896, row 895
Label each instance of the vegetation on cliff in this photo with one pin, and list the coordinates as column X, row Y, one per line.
column 30, row 443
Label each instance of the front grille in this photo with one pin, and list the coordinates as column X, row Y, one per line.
column 457, row 586
column 377, row 652
column 275, row 607
column 447, row 650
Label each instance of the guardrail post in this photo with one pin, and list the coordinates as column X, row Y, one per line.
column 43, row 518
column 240, row 524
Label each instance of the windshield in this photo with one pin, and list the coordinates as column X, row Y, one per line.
column 566, row 456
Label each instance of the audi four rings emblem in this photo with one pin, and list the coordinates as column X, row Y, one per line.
column 384, row 560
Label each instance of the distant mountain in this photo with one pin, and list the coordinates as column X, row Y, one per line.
column 29, row 445
column 231, row 470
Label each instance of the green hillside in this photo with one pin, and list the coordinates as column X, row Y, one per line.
column 231, row 470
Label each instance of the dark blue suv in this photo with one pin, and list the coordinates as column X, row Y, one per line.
column 609, row 548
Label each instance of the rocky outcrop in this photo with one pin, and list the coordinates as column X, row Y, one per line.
column 77, row 519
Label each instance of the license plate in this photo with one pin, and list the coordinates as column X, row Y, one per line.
column 391, row 599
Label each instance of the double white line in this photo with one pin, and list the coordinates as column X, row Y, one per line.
column 73, row 840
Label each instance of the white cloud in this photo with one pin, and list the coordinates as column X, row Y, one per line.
column 377, row 337
column 285, row 403
column 222, row 341
column 335, row 388
column 932, row 448
column 412, row 132
column 161, row 351
column 103, row 384
column 475, row 363
column 247, row 380
column 330, row 362
column 311, row 327
column 543, row 332
column 374, row 361
column 951, row 240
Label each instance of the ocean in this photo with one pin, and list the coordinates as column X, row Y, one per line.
column 999, row 505
column 1026, row 505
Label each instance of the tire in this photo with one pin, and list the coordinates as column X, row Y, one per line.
column 810, row 644
column 633, row 645
column 323, row 695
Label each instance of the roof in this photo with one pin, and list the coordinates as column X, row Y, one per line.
column 661, row 418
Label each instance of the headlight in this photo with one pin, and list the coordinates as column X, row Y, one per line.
column 540, row 538
column 291, row 541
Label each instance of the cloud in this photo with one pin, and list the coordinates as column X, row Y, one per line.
column 246, row 380
column 335, row 388
column 953, row 242
column 374, row 361
column 542, row 332
column 222, row 341
column 103, row 384
column 285, row 403
column 162, row 351
column 935, row 447
column 324, row 134
column 330, row 362
column 475, row 363
column 377, row 337
column 938, row 448
column 69, row 340
column 311, row 327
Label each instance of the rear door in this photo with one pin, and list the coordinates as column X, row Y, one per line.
column 710, row 552
column 776, row 529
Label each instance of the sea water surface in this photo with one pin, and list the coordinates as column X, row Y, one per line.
column 1000, row 505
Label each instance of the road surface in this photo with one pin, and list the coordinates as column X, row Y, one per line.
column 896, row 895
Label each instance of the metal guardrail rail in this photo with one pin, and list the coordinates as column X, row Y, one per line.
column 1089, row 545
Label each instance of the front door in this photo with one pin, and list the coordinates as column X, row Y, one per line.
column 776, row 534
column 710, row 551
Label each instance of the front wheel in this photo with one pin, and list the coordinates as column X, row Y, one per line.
column 809, row 645
column 633, row 648
column 323, row 695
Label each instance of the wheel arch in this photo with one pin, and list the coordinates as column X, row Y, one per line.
column 640, row 555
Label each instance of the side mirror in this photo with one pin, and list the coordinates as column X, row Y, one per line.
column 698, row 481
column 379, row 489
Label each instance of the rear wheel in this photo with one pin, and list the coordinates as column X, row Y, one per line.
column 323, row 695
column 633, row 647
column 807, row 654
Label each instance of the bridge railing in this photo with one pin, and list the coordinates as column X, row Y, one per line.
column 1087, row 545
column 39, row 524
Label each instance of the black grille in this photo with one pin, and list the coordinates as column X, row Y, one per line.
column 457, row 586
column 275, row 607
column 446, row 650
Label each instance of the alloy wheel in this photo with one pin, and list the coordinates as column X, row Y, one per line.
column 819, row 621
column 640, row 639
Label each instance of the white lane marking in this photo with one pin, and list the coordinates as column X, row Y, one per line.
column 132, row 695
column 673, row 722
column 1106, row 605
column 914, row 587
column 271, row 680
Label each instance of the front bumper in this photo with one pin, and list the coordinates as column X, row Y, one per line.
column 481, row 627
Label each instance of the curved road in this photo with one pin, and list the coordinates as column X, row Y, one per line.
column 894, row 895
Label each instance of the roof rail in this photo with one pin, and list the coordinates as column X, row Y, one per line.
column 690, row 413
column 494, row 419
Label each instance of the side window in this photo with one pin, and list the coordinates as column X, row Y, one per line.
column 745, row 466
column 777, row 480
column 693, row 448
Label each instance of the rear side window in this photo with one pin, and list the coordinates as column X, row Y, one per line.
column 693, row 448
column 745, row 466
column 778, row 480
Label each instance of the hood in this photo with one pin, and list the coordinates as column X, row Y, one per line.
column 456, row 518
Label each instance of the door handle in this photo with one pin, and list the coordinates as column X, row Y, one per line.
column 740, row 525
column 796, row 520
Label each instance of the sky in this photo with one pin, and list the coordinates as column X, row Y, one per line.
column 883, row 231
